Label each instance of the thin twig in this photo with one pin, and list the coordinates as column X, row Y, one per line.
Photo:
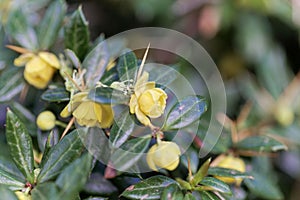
column 68, row 127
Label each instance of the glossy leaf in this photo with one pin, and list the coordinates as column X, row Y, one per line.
column 185, row 112
column 201, row 173
column 162, row 75
column 129, row 153
column 51, row 22
column 263, row 187
column 77, row 172
column 127, row 66
column 77, row 36
column 108, row 95
column 71, row 55
column 184, row 184
column 6, row 193
column 110, row 76
column 121, row 130
column 225, row 172
column 19, row 28
column 98, row 185
column 261, row 144
column 189, row 196
column 62, row 154
column 56, row 94
column 150, row 188
column 208, row 196
column 95, row 64
column 20, row 145
column 172, row 192
column 216, row 184
column 45, row 191
column 11, row 84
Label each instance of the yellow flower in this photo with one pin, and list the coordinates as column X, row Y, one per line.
column 147, row 101
column 46, row 120
column 284, row 115
column 231, row 162
column 88, row 112
column 22, row 196
column 163, row 155
column 39, row 68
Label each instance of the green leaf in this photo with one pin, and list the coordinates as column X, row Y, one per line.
column 127, row 66
column 77, row 36
column 129, row 153
column 185, row 112
column 263, row 187
column 95, row 64
column 10, row 174
column 110, row 76
column 98, row 185
column 201, row 173
column 216, row 184
column 150, row 188
column 11, row 83
column 184, row 184
column 121, row 130
column 20, row 145
column 19, row 28
column 56, row 94
column 108, row 95
column 50, row 24
column 189, row 196
column 62, row 154
column 172, row 192
column 71, row 55
column 161, row 75
column 6, row 193
column 225, row 172
column 25, row 116
column 261, row 144
column 77, row 172
column 208, row 196
column 45, row 191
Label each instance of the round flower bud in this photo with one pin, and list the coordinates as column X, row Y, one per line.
column 22, row 196
column 46, row 120
column 231, row 162
column 284, row 115
column 163, row 155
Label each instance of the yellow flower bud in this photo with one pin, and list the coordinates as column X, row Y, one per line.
column 87, row 112
column 39, row 68
column 231, row 162
column 23, row 196
column 284, row 115
column 163, row 155
column 147, row 101
column 46, row 120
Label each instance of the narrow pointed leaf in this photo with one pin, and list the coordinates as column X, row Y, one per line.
column 127, row 66
column 216, row 184
column 45, row 191
column 201, row 173
column 56, row 94
column 172, row 192
column 121, row 130
column 51, row 23
column 6, row 193
column 150, row 188
column 110, row 76
column 129, row 153
column 62, row 154
column 208, row 196
column 108, row 95
column 20, row 145
column 77, row 36
column 261, row 144
column 185, row 112
column 225, row 172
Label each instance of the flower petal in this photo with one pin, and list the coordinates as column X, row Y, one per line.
column 149, row 157
column 23, row 59
column 50, row 59
column 142, row 117
column 133, row 104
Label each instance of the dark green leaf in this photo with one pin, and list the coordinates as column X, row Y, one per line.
column 108, row 95
column 45, row 191
column 225, row 172
column 48, row 145
column 161, row 75
column 98, row 185
column 20, row 145
column 189, row 196
column 19, row 28
column 263, row 187
column 172, row 192
column 216, row 184
column 129, row 153
column 109, row 76
column 11, row 83
column 77, row 172
column 62, row 154
column 25, row 116
column 201, row 173
column 121, row 130
column 208, row 196
column 261, row 144
column 71, row 55
column 150, row 188
column 185, row 112
column 77, row 36
column 127, row 66
column 51, row 22
column 6, row 193
column 56, row 94
column 95, row 64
